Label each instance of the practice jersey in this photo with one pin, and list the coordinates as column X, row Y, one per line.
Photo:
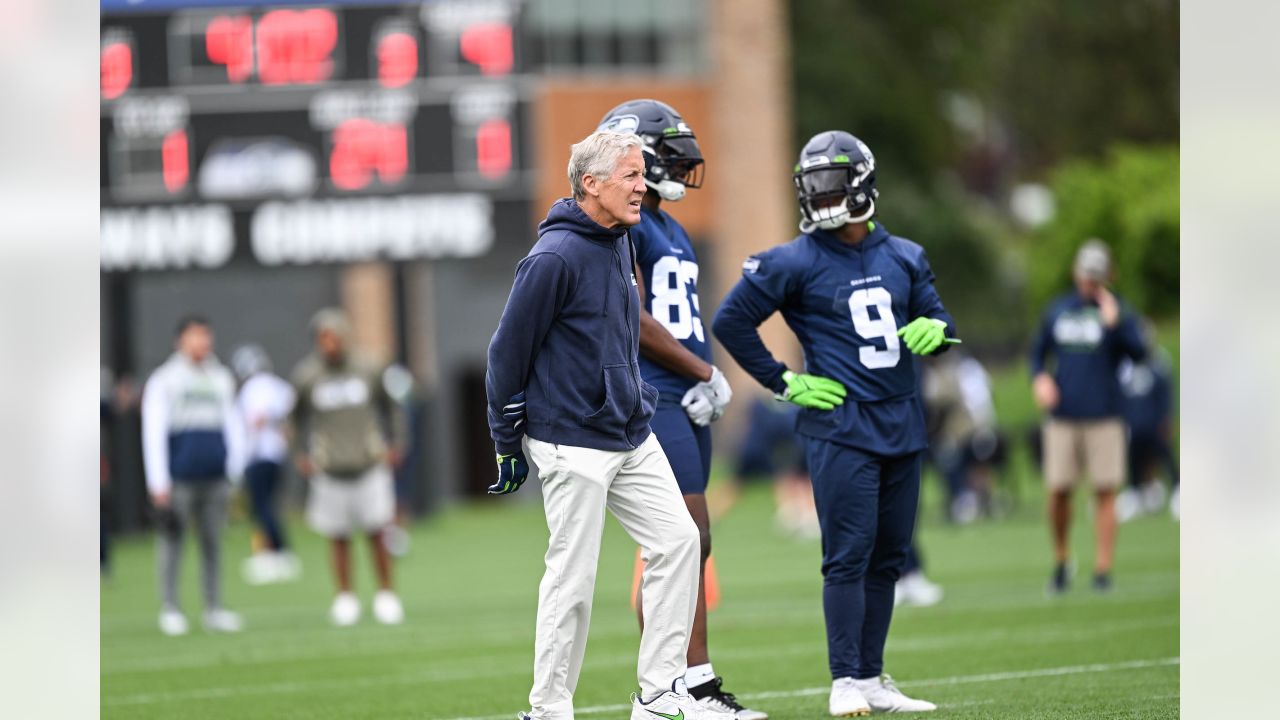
column 1086, row 356
column 343, row 415
column 669, row 268
column 265, row 402
column 845, row 304
column 190, row 428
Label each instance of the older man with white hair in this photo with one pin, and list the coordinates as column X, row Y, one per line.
column 564, row 391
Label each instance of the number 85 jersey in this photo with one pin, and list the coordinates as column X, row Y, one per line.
column 845, row 304
column 670, row 272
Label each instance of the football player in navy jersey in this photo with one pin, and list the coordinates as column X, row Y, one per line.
column 675, row 356
column 861, row 302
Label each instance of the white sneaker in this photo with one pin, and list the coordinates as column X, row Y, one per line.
column 846, row 699
column 1128, row 505
column 674, row 704
column 1154, row 494
column 345, row 610
column 287, row 566
column 222, row 620
column 883, row 696
column 387, row 608
column 173, row 622
column 915, row 590
column 259, row 569
column 966, row 508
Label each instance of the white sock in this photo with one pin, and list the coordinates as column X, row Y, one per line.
column 699, row 674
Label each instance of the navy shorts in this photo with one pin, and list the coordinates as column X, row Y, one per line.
column 687, row 447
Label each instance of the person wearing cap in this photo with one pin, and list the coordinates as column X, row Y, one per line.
column 1086, row 334
column 264, row 404
column 347, row 433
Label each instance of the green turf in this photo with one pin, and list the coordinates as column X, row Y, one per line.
column 995, row 647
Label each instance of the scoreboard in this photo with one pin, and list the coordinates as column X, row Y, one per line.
column 299, row 132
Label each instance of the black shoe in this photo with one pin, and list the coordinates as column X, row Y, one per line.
column 711, row 695
column 1102, row 582
column 1060, row 581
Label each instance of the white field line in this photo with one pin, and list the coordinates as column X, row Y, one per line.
column 954, row 680
column 457, row 669
column 307, row 686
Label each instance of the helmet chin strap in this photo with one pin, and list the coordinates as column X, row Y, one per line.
column 669, row 190
column 807, row 226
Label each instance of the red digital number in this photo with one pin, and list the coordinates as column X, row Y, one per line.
column 228, row 41
column 175, row 160
column 488, row 45
column 295, row 46
column 493, row 148
column 363, row 148
column 397, row 59
column 116, row 68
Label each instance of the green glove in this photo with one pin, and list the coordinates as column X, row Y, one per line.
column 924, row 335
column 811, row 391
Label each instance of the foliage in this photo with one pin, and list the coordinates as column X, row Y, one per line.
column 1130, row 200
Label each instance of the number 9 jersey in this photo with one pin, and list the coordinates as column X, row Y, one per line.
column 670, row 273
column 845, row 304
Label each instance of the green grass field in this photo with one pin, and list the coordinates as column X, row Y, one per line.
column 994, row 648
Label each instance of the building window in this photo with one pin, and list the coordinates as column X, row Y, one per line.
column 666, row 37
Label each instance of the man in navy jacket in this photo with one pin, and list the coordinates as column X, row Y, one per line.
column 1088, row 333
column 564, row 387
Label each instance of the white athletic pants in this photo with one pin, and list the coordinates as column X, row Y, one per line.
column 638, row 487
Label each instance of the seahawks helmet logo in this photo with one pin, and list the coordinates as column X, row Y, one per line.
column 866, row 153
column 620, row 124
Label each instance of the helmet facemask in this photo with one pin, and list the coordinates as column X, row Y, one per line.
column 833, row 194
column 672, row 164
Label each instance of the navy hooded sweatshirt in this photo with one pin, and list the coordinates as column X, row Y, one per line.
column 1087, row 356
column 569, row 338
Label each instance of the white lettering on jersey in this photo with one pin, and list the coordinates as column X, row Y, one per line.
column 1079, row 329
column 339, row 393
column 672, row 305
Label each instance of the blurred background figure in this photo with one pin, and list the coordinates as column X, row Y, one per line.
column 1087, row 333
column 349, row 435
column 1148, row 410
column 399, row 385
column 264, row 404
column 913, row 589
column 964, row 444
column 192, row 442
column 770, row 449
column 106, row 414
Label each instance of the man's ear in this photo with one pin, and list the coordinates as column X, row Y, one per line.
column 590, row 185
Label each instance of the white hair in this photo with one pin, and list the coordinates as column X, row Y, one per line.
column 597, row 155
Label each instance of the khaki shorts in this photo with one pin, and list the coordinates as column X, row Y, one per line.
column 1073, row 448
column 338, row 507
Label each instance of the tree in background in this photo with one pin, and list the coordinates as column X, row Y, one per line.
column 963, row 101
column 1129, row 200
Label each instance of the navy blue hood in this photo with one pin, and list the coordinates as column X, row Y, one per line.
column 569, row 338
column 567, row 215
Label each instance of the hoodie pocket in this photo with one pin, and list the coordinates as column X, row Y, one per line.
column 619, row 401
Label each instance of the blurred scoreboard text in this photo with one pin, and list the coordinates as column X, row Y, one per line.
column 307, row 132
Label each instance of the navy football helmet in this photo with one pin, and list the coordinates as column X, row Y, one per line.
column 835, row 181
column 672, row 159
